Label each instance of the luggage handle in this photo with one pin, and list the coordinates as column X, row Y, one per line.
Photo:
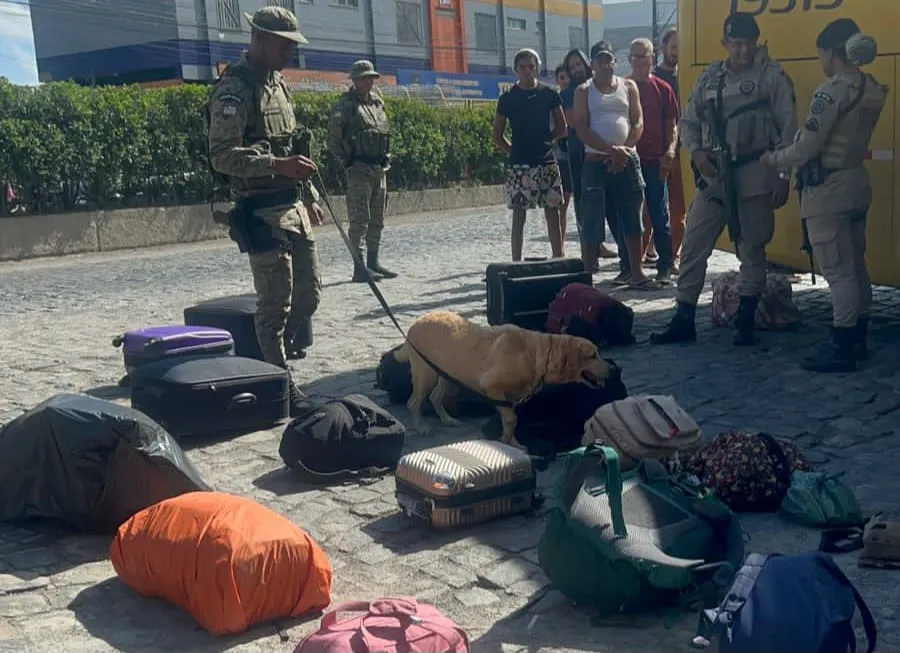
column 404, row 609
column 243, row 399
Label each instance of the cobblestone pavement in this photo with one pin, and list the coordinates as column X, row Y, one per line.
column 57, row 318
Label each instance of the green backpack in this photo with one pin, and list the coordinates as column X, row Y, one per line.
column 817, row 499
column 639, row 540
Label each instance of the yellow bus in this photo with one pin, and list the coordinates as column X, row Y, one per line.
column 790, row 27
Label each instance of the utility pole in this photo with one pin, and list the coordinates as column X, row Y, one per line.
column 654, row 20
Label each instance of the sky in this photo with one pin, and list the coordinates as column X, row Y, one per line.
column 17, row 61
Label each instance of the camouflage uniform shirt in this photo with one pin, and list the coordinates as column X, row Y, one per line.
column 251, row 123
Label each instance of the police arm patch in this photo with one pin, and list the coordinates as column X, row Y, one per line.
column 821, row 95
column 812, row 125
column 818, row 108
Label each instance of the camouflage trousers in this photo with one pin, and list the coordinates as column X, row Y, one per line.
column 288, row 289
column 366, row 203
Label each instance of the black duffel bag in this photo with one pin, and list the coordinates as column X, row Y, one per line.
column 348, row 437
column 552, row 421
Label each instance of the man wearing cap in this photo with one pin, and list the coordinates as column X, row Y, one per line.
column 751, row 96
column 252, row 145
column 359, row 136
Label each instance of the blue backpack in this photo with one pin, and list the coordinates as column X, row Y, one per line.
column 787, row 604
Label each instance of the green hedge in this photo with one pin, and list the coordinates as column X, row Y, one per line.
column 66, row 147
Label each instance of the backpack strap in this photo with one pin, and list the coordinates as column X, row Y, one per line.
column 609, row 459
column 721, row 617
column 865, row 614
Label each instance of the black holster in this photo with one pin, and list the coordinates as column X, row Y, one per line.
column 253, row 235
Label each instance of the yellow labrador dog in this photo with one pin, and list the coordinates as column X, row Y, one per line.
column 505, row 363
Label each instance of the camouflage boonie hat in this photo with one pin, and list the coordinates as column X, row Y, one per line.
column 363, row 68
column 278, row 21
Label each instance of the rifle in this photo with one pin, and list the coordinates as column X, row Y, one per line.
column 721, row 151
column 807, row 247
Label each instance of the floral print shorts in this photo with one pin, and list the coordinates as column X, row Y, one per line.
column 533, row 187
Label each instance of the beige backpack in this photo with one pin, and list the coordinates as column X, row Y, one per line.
column 643, row 426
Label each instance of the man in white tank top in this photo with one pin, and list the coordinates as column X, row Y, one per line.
column 609, row 121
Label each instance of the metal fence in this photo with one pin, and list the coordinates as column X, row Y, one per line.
column 428, row 93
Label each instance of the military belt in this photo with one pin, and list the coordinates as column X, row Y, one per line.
column 286, row 197
column 738, row 163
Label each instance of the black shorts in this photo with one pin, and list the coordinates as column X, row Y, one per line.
column 565, row 172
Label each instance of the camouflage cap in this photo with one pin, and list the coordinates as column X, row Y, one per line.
column 363, row 68
column 278, row 21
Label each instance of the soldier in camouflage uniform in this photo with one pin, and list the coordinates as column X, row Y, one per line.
column 252, row 134
column 359, row 136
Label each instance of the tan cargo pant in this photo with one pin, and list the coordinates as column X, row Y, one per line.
column 705, row 223
column 839, row 246
column 288, row 289
column 366, row 199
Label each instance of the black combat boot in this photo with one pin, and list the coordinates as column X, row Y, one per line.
column 359, row 272
column 837, row 358
column 680, row 329
column 861, row 346
column 373, row 264
column 296, row 342
column 745, row 320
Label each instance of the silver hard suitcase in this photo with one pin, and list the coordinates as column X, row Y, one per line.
column 466, row 483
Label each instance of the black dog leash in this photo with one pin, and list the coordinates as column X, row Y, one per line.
column 387, row 309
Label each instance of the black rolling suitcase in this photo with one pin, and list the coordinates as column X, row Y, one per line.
column 202, row 396
column 520, row 293
column 236, row 314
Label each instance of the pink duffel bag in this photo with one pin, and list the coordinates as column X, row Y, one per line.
column 388, row 625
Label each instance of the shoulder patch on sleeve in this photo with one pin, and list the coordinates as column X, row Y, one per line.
column 812, row 125
column 825, row 97
column 817, row 108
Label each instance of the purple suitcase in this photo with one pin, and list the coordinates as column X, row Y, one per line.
column 150, row 344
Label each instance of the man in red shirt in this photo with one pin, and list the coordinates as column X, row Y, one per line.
column 656, row 149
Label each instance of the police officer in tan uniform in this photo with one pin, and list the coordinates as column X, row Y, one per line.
column 359, row 136
column 835, row 189
column 253, row 144
column 752, row 97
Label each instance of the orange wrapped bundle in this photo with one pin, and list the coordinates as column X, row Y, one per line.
column 228, row 561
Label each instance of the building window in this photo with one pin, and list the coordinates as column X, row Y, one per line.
column 486, row 32
column 350, row 4
column 516, row 23
column 576, row 38
column 229, row 14
column 284, row 4
column 409, row 23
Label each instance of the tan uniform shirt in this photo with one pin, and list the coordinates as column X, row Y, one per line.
column 772, row 122
column 251, row 125
column 841, row 141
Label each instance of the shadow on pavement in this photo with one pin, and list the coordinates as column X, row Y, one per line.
column 35, row 549
column 131, row 623
column 448, row 303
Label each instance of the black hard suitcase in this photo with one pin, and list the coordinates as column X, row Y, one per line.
column 520, row 292
column 237, row 314
column 202, row 396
